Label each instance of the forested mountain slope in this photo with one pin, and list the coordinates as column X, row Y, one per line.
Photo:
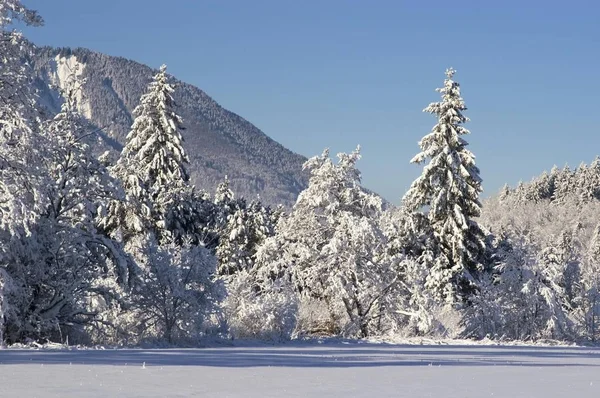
column 218, row 141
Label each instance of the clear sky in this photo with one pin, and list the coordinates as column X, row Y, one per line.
column 331, row 73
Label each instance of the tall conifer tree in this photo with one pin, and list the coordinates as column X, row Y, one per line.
column 152, row 166
column 448, row 190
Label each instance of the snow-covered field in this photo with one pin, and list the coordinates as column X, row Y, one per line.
column 336, row 369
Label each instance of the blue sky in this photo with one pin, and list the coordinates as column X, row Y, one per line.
column 315, row 74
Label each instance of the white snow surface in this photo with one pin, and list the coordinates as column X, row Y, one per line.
column 326, row 369
column 62, row 70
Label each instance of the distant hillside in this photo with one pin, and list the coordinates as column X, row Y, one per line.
column 218, row 141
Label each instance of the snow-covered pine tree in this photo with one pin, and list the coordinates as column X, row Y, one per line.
column 593, row 180
column 552, row 287
column 505, row 193
column 255, row 307
column 409, row 248
column 520, row 192
column 262, row 222
column 223, row 194
column 541, row 188
column 155, row 139
column 152, row 166
column 580, row 176
column 587, row 181
column 226, row 204
column 448, row 190
column 508, row 303
column 246, row 229
column 564, row 184
column 193, row 216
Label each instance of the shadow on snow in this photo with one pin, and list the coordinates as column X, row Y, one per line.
column 302, row 355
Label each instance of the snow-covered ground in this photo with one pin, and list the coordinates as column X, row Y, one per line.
column 337, row 369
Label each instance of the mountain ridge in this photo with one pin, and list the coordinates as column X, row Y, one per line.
column 218, row 141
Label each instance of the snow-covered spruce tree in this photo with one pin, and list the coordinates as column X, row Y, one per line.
column 409, row 249
column 561, row 184
column 151, row 167
column 256, row 305
column 192, row 216
column 226, row 204
column 508, row 303
column 241, row 227
column 246, row 229
column 592, row 189
column 448, row 190
column 224, row 196
column 155, row 139
column 587, row 181
column 564, row 184
column 554, row 281
column 232, row 250
column 540, row 189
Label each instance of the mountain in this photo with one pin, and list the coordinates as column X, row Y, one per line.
column 218, row 142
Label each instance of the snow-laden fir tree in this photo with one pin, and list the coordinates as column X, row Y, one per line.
column 409, row 240
column 226, row 205
column 258, row 304
column 223, row 194
column 564, row 185
column 587, row 181
column 155, row 139
column 246, row 229
column 592, row 189
column 152, row 165
column 448, row 190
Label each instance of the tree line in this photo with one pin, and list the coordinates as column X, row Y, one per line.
column 127, row 250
